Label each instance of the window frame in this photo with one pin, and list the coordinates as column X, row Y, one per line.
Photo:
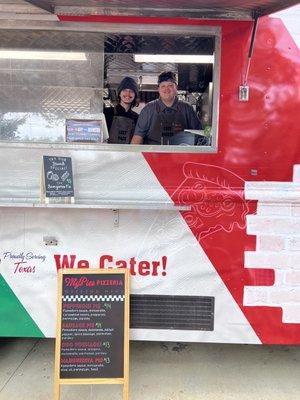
column 172, row 30
column 151, row 30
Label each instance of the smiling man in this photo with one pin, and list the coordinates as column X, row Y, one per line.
column 121, row 119
column 163, row 120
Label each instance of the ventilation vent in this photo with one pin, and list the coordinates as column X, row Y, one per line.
column 172, row 312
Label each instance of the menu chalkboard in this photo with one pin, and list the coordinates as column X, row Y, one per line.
column 58, row 176
column 93, row 324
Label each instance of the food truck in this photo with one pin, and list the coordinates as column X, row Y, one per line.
column 209, row 227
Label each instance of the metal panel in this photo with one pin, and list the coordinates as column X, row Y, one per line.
column 52, row 40
column 172, row 312
column 102, row 178
column 20, row 7
column 45, row 99
column 38, row 95
column 233, row 9
column 119, row 60
column 39, row 113
column 136, row 44
column 118, row 66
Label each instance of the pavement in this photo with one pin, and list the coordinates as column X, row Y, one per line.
column 160, row 371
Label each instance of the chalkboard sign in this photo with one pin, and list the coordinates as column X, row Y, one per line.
column 57, row 177
column 92, row 328
column 79, row 130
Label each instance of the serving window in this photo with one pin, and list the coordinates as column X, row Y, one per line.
column 52, row 81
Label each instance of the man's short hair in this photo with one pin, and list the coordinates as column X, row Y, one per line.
column 167, row 76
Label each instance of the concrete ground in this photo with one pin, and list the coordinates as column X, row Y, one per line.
column 161, row 371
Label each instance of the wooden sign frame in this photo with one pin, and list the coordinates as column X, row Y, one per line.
column 122, row 380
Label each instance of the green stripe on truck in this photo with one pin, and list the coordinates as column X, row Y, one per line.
column 14, row 319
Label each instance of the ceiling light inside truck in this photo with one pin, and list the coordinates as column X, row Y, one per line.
column 42, row 55
column 174, row 58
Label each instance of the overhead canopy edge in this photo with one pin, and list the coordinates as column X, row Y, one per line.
column 282, row 5
column 205, row 11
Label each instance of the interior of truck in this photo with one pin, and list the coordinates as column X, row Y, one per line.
column 48, row 77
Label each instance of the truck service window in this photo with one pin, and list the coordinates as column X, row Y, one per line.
column 190, row 59
column 66, row 86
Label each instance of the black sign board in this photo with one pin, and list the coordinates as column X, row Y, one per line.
column 93, row 324
column 58, row 176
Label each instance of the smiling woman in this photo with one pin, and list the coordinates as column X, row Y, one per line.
column 121, row 120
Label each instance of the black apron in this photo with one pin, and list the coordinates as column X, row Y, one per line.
column 121, row 130
column 166, row 126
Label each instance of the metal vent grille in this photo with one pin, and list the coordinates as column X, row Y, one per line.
column 172, row 312
column 110, row 43
column 134, row 44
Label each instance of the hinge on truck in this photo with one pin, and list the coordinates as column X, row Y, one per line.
column 116, row 218
column 244, row 88
column 244, row 93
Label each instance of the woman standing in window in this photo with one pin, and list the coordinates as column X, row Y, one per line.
column 121, row 120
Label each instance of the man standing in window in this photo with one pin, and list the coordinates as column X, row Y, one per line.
column 163, row 120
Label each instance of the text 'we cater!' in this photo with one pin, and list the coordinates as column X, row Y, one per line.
column 107, row 261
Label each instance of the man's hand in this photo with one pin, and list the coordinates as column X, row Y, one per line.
column 177, row 127
column 136, row 139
